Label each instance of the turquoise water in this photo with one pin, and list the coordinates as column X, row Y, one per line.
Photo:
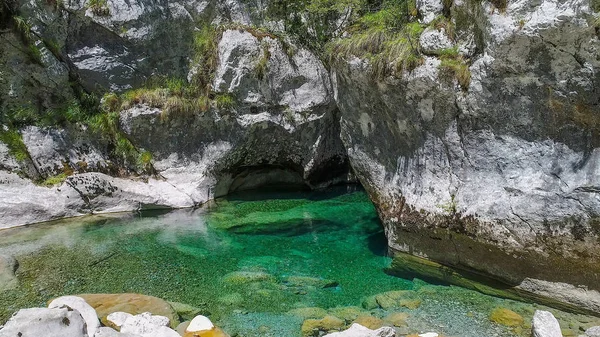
column 246, row 261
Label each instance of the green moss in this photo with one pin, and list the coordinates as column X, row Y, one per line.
column 224, row 101
column 54, row 180
column 14, row 142
column 99, row 7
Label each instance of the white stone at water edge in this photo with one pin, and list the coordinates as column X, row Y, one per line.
column 118, row 318
column 144, row 324
column 200, row 323
column 45, row 322
column 77, row 303
column 545, row 325
column 593, row 331
column 357, row 330
column 429, row 334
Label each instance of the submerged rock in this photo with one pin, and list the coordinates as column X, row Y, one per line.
column 309, row 312
column 242, row 277
column 545, row 325
column 8, row 267
column 304, row 281
column 79, row 304
column 314, row 327
column 369, row 321
column 59, row 322
column 396, row 319
column 506, row 317
column 357, row 330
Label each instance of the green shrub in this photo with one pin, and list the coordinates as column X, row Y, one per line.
column 110, row 102
column 14, row 142
column 54, row 180
column 263, row 63
column 224, row 101
column 125, row 150
column 456, row 68
column 206, row 58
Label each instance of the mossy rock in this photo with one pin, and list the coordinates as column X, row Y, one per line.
column 187, row 312
column 370, row 303
column 308, row 312
column 234, row 299
column 396, row 319
column 410, row 303
column 369, row 321
column 346, row 313
column 243, row 277
column 314, row 327
column 506, row 317
column 307, row 281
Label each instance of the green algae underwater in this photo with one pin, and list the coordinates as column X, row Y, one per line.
column 257, row 263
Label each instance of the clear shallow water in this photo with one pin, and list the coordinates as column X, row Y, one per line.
column 246, row 261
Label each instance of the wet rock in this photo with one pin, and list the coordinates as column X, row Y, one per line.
column 134, row 304
column 185, row 311
column 59, row 322
column 8, row 267
column 346, row 313
column 314, row 327
column 369, row 321
column 395, row 299
column 307, row 281
column 243, row 277
column 506, row 317
column 309, row 312
column 77, row 303
column 396, row 319
column 544, row 324
column 357, row 330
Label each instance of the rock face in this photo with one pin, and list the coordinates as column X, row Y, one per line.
column 500, row 178
column 545, row 325
column 45, row 322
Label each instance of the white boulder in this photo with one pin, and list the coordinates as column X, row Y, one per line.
column 45, row 322
column 433, row 41
column 118, row 318
column 144, row 324
column 545, row 325
column 593, row 331
column 429, row 9
column 357, row 330
column 200, row 323
column 77, row 303
column 109, row 332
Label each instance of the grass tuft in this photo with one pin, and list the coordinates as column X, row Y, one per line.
column 54, row 180
column 14, row 142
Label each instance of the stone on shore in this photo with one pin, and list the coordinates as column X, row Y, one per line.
column 357, row 330
column 146, row 324
column 545, row 325
column 77, row 303
column 106, row 304
column 593, row 331
column 58, row 322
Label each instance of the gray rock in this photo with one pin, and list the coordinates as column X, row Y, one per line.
column 79, row 304
column 434, row 41
column 117, row 319
column 55, row 151
column 8, row 267
column 357, row 330
column 108, row 332
column 45, row 322
column 429, row 9
column 545, row 325
column 593, row 331
column 148, row 325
